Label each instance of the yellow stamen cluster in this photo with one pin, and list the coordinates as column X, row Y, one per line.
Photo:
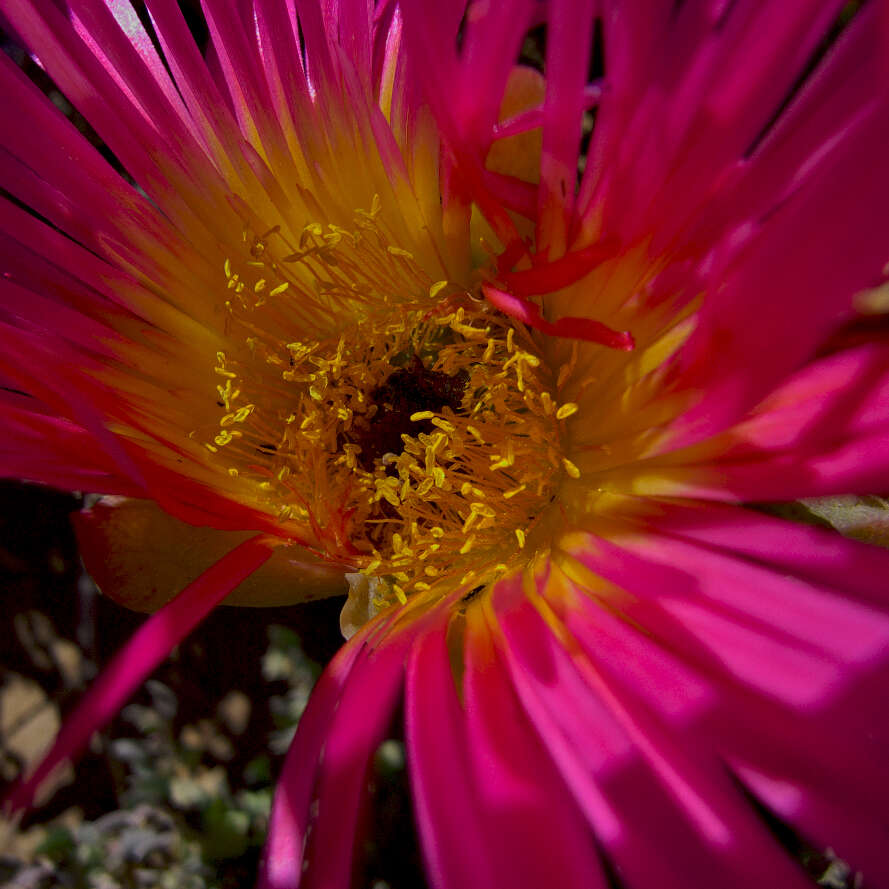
column 418, row 436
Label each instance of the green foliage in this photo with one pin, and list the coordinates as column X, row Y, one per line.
column 139, row 848
column 187, row 818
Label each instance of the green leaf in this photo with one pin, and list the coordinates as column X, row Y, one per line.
column 225, row 831
column 57, row 845
column 258, row 770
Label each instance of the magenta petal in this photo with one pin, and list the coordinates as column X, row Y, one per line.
column 43, row 260
column 798, row 274
column 818, row 555
column 234, row 45
column 492, row 40
column 24, row 358
column 574, row 724
column 192, row 77
column 801, row 643
column 826, row 403
column 832, row 440
column 832, row 468
column 41, row 447
column 823, row 431
column 569, row 43
column 85, row 81
column 39, row 313
column 288, row 826
column 82, row 192
column 676, row 816
column 672, row 164
column 323, row 784
column 571, row 328
column 486, row 796
column 363, row 715
column 811, row 745
column 524, row 803
column 430, row 34
column 348, row 22
column 825, row 773
column 52, row 168
column 685, row 105
column 278, row 31
column 136, row 660
column 115, row 36
column 450, row 824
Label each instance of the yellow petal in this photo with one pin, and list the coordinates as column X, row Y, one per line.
column 141, row 558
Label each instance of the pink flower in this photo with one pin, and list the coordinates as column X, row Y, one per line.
column 355, row 311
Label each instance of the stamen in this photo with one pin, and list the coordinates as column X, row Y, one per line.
column 419, row 444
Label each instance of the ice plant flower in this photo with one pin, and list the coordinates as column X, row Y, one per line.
column 352, row 310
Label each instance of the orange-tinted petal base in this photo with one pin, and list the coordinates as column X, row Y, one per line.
column 141, row 557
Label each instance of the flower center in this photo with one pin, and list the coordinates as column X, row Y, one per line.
column 408, row 391
column 418, row 437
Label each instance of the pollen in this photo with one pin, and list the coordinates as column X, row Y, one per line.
column 413, row 432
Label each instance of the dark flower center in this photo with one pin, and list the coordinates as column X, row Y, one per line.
column 407, row 391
